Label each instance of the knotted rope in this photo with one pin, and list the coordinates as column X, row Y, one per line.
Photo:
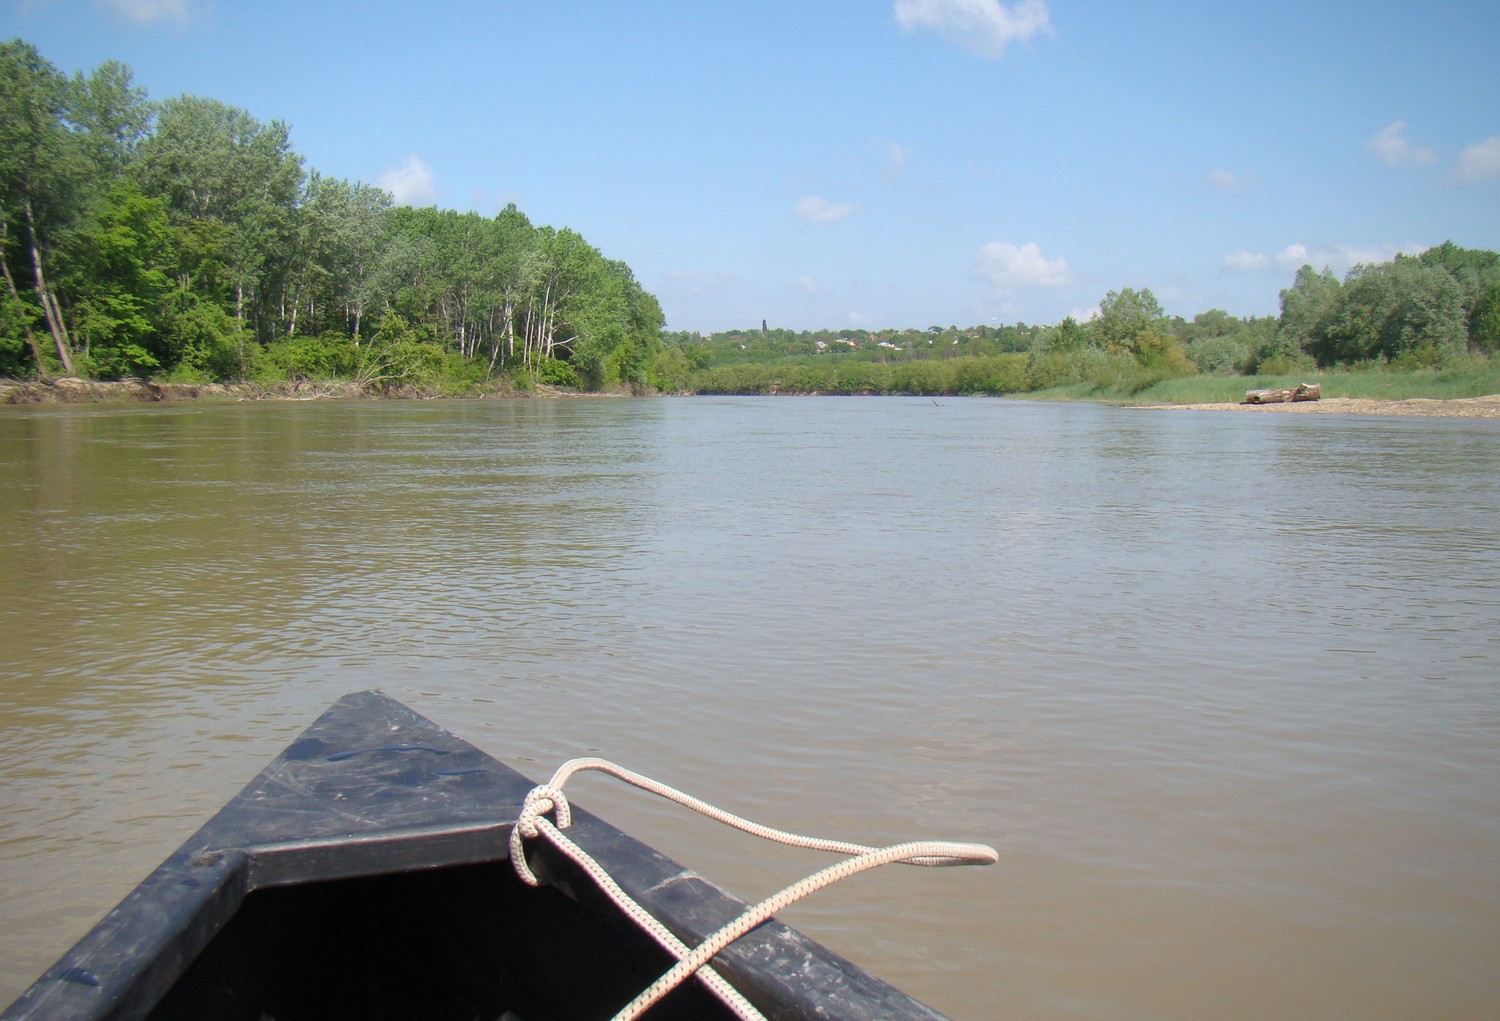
column 544, row 798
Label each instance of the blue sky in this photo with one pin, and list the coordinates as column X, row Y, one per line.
column 884, row 163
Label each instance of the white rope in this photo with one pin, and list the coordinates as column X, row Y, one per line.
column 548, row 797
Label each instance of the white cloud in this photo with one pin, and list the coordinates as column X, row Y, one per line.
column 1289, row 258
column 895, row 162
column 410, row 184
column 985, row 27
column 1229, row 181
column 807, row 285
column 1336, row 257
column 1393, row 148
column 1480, row 160
column 144, row 12
column 1006, row 266
column 1246, row 262
column 813, row 209
column 1356, row 255
column 1224, row 180
column 1292, row 257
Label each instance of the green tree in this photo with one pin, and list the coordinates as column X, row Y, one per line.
column 340, row 229
column 111, row 116
column 214, row 162
column 118, row 270
column 1065, row 336
column 172, row 238
column 518, row 260
column 40, row 171
column 1308, row 308
column 1124, row 317
column 1477, row 273
column 1395, row 309
column 1484, row 320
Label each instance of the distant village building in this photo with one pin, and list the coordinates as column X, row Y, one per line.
column 822, row 345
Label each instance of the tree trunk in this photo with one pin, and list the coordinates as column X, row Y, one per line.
column 526, row 332
column 510, row 329
column 50, row 307
column 544, row 341
column 1302, row 392
column 10, row 284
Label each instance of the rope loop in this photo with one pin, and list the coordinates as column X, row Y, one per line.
column 540, row 800
column 548, row 798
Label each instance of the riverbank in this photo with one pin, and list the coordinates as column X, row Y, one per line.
column 1459, row 407
column 71, row 390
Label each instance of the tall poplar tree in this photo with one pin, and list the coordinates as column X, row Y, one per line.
column 215, row 163
column 38, row 177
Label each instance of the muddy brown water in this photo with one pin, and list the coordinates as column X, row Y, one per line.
column 1224, row 690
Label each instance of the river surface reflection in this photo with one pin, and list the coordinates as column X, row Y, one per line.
column 1224, row 689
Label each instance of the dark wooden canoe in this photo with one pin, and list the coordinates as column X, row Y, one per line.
column 365, row 874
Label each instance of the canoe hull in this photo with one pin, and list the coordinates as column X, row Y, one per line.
column 365, row 873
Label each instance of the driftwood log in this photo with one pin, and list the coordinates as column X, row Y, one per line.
column 1301, row 392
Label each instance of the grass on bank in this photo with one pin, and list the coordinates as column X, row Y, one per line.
column 1086, row 376
column 1465, row 379
column 402, row 366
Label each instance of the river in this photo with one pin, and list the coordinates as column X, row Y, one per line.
column 1224, row 690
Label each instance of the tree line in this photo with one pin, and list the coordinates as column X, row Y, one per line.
column 185, row 239
column 1437, row 309
column 1416, row 309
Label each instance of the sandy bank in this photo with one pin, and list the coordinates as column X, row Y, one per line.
column 1464, row 407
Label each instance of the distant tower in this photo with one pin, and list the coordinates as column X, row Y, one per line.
column 763, row 329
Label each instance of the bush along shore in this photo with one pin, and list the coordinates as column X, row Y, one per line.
column 1433, row 393
column 71, row 390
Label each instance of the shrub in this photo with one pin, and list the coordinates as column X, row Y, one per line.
column 1428, row 356
column 670, row 370
column 1223, row 354
column 212, row 344
column 927, row 378
column 992, row 374
column 322, row 356
column 1283, row 364
column 1046, row 369
column 743, row 378
column 860, row 378
column 555, row 372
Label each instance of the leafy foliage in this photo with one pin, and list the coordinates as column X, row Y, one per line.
column 185, row 239
column 1424, row 310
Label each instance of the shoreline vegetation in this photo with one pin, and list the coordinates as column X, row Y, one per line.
column 74, row 391
column 181, row 249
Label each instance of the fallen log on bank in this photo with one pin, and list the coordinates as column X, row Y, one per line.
column 1301, row 392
